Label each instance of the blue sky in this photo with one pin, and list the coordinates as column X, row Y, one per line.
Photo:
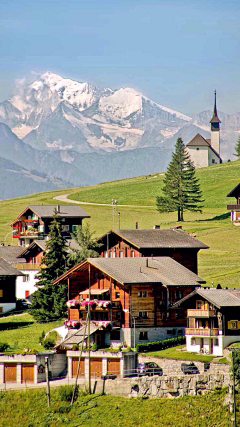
column 175, row 52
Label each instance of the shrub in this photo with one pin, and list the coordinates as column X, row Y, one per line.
column 65, row 393
column 41, row 338
column 75, row 347
column 160, row 345
column 4, row 346
column 94, row 347
column 50, row 340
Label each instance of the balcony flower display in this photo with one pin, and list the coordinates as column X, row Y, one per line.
column 85, row 303
column 72, row 323
column 103, row 304
column 73, row 303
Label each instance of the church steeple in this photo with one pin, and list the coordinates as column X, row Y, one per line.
column 215, row 127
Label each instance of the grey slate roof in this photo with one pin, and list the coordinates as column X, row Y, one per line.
column 47, row 211
column 76, row 337
column 235, row 192
column 7, row 270
column 163, row 270
column 163, row 238
column 217, row 297
column 12, row 254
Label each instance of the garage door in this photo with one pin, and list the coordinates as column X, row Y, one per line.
column 10, row 372
column 27, row 372
column 113, row 366
column 75, row 365
column 96, row 367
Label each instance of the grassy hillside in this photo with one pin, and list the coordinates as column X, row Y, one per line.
column 219, row 264
column 29, row 409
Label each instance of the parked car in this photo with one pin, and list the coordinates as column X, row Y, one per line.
column 22, row 303
column 149, row 368
column 189, row 368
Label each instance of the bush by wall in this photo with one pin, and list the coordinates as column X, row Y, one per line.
column 160, row 345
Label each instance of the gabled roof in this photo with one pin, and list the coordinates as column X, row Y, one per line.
column 149, row 270
column 7, row 270
column 12, row 254
column 235, row 192
column 71, row 244
column 63, row 211
column 218, row 297
column 163, row 238
column 199, row 140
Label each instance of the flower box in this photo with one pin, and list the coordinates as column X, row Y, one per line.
column 73, row 303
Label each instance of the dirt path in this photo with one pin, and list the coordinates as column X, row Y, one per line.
column 64, row 198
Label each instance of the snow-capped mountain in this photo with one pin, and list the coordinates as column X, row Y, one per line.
column 57, row 113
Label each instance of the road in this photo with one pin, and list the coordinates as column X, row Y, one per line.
column 64, row 198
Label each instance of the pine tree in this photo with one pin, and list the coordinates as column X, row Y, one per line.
column 49, row 301
column 237, row 148
column 181, row 188
column 87, row 245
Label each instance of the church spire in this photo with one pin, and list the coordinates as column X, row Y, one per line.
column 215, row 118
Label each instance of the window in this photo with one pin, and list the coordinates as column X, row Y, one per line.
column 193, row 341
column 74, row 228
column 213, row 160
column 142, row 314
column 117, row 295
column 26, row 278
column 197, row 148
column 65, row 228
column 233, row 324
column 102, row 275
column 176, row 314
column 143, row 336
column 1, row 293
column 180, row 294
column 142, row 294
column 132, row 254
column 95, row 275
column 171, row 331
column 216, row 342
column 118, row 315
column 115, row 335
column 121, row 254
column 199, row 304
column 180, row 332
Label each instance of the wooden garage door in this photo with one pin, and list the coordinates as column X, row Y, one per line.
column 113, row 366
column 96, row 367
column 27, row 372
column 10, row 372
column 75, row 365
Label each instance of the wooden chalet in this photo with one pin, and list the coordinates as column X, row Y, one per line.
column 34, row 221
column 174, row 243
column 213, row 317
column 8, row 275
column 131, row 296
column 235, row 208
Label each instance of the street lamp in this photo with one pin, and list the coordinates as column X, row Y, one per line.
column 114, row 204
column 119, row 220
column 134, row 327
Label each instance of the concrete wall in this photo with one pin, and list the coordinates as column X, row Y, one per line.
column 57, row 365
column 196, row 348
column 154, row 334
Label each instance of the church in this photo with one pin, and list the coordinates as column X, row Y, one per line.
column 206, row 152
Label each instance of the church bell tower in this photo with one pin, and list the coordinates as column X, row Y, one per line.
column 215, row 127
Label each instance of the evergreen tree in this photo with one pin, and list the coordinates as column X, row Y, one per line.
column 181, row 188
column 87, row 245
column 237, row 148
column 49, row 301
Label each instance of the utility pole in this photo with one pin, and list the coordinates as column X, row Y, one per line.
column 114, row 204
column 234, row 397
column 47, row 380
column 119, row 220
column 89, row 351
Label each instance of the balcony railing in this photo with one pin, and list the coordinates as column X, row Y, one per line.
column 27, row 266
column 201, row 313
column 230, row 207
column 205, row 332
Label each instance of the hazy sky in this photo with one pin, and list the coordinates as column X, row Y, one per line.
column 175, row 52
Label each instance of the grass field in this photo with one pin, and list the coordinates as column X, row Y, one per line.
column 29, row 409
column 21, row 331
column 177, row 354
column 219, row 264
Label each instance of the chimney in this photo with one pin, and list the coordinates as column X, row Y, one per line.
column 136, row 225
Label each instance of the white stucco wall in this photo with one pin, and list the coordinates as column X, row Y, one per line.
column 22, row 286
column 217, row 349
column 212, row 156
column 199, row 155
column 215, row 141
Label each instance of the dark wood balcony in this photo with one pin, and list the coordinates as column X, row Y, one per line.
column 233, row 207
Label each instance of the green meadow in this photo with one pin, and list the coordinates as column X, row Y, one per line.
column 29, row 409
column 219, row 264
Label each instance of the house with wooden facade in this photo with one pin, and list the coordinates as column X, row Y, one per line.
column 8, row 275
column 130, row 299
column 213, row 319
column 174, row 243
column 235, row 208
column 34, row 222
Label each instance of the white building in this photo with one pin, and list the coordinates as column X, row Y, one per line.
column 206, row 152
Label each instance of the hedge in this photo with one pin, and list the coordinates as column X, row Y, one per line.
column 160, row 345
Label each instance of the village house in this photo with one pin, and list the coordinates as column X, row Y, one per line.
column 8, row 275
column 174, row 243
column 206, row 152
column 34, row 222
column 235, row 208
column 213, row 317
column 130, row 299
